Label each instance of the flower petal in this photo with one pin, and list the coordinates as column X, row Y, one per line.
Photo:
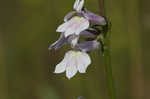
column 86, row 60
column 87, row 46
column 71, row 68
column 80, row 6
column 87, row 34
column 69, row 16
column 81, row 66
column 72, row 62
column 76, row 4
column 62, row 27
column 69, row 31
column 83, row 61
column 74, row 26
column 94, row 19
column 61, row 67
column 82, row 26
column 59, row 43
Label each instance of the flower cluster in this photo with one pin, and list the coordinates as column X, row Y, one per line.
column 80, row 31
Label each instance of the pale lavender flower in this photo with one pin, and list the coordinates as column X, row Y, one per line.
column 74, row 26
column 78, row 23
column 72, row 39
column 73, row 62
column 83, row 12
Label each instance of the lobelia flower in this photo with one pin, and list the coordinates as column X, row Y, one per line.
column 77, row 59
column 73, row 62
column 74, row 26
column 83, row 12
column 72, row 39
column 77, row 24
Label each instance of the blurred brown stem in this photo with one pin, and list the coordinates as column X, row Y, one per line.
column 101, row 7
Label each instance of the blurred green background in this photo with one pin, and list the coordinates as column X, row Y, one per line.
column 27, row 28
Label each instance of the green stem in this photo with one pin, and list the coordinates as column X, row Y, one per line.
column 107, row 53
column 108, row 66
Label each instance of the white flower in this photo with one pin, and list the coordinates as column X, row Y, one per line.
column 74, row 26
column 78, row 5
column 73, row 62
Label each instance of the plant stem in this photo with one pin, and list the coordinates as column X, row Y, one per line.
column 108, row 66
column 101, row 7
column 107, row 55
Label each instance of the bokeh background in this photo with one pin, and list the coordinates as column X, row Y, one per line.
column 27, row 28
